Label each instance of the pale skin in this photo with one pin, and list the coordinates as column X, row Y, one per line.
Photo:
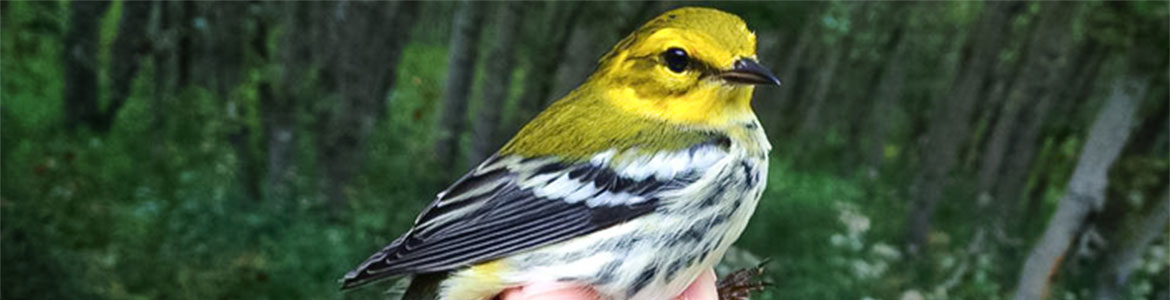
column 703, row 288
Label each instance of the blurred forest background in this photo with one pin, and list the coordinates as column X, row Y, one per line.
column 259, row 150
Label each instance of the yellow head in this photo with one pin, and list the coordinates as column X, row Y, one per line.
column 686, row 66
column 684, row 74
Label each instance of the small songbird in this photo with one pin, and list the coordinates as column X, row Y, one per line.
column 632, row 184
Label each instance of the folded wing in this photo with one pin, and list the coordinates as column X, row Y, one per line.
column 511, row 204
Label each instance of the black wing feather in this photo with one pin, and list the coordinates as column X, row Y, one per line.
column 508, row 219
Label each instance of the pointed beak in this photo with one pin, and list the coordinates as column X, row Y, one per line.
column 748, row 71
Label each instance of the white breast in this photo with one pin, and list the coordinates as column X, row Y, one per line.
column 656, row 256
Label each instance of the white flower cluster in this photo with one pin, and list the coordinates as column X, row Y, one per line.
column 856, row 224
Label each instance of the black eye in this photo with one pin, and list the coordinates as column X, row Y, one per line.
column 676, row 59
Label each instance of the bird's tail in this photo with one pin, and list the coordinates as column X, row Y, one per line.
column 373, row 269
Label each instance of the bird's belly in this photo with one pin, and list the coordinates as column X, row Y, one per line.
column 655, row 256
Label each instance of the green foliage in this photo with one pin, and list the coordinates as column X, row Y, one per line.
column 148, row 212
column 797, row 216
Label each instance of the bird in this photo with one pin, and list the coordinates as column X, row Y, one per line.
column 631, row 185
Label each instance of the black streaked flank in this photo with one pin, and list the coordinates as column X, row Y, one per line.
column 748, row 172
column 607, row 272
column 642, row 281
column 711, row 199
column 673, row 269
column 703, row 256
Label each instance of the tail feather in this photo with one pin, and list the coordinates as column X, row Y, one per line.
column 373, row 269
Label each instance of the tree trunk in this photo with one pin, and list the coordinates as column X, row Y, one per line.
column 1084, row 73
column 993, row 153
column 130, row 46
column 280, row 137
column 500, row 66
column 1044, row 82
column 220, row 53
column 1086, row 188
column 950, row 118
column 990, row 113
column 163, row 33
column 1028, row 101
column 811, row 125
column 641, row 13
column 184, row 24
column 1124, row 257
column 600, row 26
column 765, row 101
column 220, row 47
column 560, row 18
column 1029, row 94
column 404, row 17
column 461, row 59
column 809, row 35
column 81, row 63
column 361, row 76
column 887, row 93
column 280, row 98
column 586, row 42
column 249, row 161
column 792, row 76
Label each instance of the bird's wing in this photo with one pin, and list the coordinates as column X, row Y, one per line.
column 510, row 204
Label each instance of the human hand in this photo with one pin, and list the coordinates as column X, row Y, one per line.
column 703, row 288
